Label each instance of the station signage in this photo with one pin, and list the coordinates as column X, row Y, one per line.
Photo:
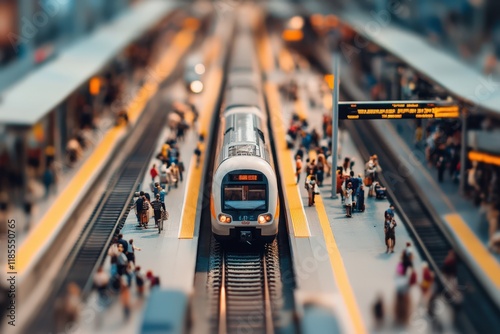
column 398, row 109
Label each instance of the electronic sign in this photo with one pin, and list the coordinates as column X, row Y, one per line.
column 246, row 177
column 398, row 110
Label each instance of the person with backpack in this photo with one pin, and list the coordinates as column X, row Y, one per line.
column 407, row 257
column 138, row 207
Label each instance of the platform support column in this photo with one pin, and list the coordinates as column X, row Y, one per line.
column 463, row 153
column 335, row 121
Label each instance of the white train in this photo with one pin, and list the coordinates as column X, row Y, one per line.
column 244, row 202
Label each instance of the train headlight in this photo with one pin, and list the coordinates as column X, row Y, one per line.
column 196, row 86
column 224, row 218
column 265, row 218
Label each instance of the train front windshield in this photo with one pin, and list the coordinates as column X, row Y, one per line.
column 245, row 197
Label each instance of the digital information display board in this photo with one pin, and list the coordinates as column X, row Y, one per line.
column 398, row 109
column 246, row 177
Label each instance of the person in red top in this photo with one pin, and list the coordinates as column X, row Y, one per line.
column 153, row 172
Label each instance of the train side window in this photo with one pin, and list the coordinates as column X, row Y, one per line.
column 261, row 135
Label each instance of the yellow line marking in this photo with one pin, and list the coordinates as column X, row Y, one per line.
column 474, row 246
column 52, row 219
column 300, row 108
column 188, row 218
column 295, row 206
column 338, row 268
column 285, row 59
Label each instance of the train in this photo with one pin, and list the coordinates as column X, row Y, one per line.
column 244, row 201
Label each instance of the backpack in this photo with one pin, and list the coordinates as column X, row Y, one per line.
column 145, row 205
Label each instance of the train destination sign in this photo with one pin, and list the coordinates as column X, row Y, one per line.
column 246, row 177
column 398, row 109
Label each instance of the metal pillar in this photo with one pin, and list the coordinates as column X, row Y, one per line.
column 463, row 153
column 335, row 121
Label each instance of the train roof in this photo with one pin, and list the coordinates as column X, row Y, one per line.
column 243, row 96
column 243, row 136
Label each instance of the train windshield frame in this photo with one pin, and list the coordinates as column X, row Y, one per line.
column 245, row 196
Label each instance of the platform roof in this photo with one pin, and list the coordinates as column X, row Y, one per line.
column 27, row 101
column 457, row 77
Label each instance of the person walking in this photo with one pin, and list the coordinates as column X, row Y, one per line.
column 158, row 206
column 131, row 251
column 320, row 170
column 348, row 200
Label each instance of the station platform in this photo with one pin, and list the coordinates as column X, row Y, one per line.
column 462, row 220
column 171, row 254
column 47, row 225
column 356, row 268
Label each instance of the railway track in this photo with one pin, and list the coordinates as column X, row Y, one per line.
column 114, row 205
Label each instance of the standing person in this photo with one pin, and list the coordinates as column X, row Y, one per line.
column 407, row 257
column 101, row 281
column 174, row 170
column 131, row 251
column 180, row 165
column 339, row 185
column 320, row 170
column 122, row 242
column 378, row 312
column 389, row 211
column 197, row 153
column 390, row 233
column 158, row 206
column 139, row 281
column 360, row 198
column 298, row 167
column 164, row 176
column 138, row 207
column 311, row 188
column 348, row 200
column 427, row 283
column 48, row 180
column 113, row 256
column 441, row 167
column 154, row 173
column 121, row 261
column 160, row 191
column 125, row 298
column 67, row 308
column 144, row 211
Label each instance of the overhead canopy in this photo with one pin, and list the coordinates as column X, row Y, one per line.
column 433, row 62
column 26, row 102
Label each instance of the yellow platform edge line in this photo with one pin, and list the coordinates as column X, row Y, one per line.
column 339, row 271
column 190, row 207
column 475, row 247
column 54, row 215
column 295, row 205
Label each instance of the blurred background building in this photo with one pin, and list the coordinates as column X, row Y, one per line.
column 33, row 31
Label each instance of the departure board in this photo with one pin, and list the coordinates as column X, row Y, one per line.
column 398, row 110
